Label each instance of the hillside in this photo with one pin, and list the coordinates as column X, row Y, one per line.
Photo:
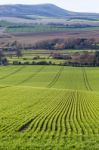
column 49, row 108
column 47, row 10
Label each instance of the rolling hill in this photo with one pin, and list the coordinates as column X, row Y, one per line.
column 49, row 108
column 47, row 10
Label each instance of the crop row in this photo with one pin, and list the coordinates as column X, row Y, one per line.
column 69, row 113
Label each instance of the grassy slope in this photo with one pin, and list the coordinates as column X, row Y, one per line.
column 49, row 107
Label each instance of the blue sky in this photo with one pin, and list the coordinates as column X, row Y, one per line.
column 74, row 5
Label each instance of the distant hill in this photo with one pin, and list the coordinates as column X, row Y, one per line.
column 47, row 10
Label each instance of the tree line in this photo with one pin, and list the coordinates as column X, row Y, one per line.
column 56, row 44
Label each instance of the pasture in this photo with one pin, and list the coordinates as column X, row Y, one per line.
column 49, row 108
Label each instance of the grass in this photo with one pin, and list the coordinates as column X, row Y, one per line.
column 43, row 55
column 36, row 28
column 47, row 28
column 49, row 108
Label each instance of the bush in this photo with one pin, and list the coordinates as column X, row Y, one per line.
column 33, row 63
column 36, row 57
column 17, row 63
column 24, row 58
column 42, row 63
column 27, row 63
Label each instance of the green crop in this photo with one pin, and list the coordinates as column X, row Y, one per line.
column 49, row 108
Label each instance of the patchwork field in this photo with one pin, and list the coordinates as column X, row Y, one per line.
column 49, row 108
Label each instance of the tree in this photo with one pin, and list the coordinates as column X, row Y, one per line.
column 97, row 58
column 1, row 55
column 18, row 53
column 4, row 61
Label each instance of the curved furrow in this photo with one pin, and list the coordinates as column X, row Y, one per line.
column 89, row 120
column 55, row 79
column 75, row 118
column 38, row 115
column 94, row 108
column 37, row 125
column 85, row 118
column 68, row 120
column 31, row 76
column 96, row 102
column 74, row 97
column 53, row 124
column 39, row 102
column 80, row 116
column 26, row 125
column 66, row 114
column 71, row 117
column 56, row 125
column 76, row 125
column 23, row 107
column 29, row 116
column 91, row 117
column 48, row 124
column 52, row 110
column 59, row 115
column 44, row 113
column 60, row 119
column 16, row 123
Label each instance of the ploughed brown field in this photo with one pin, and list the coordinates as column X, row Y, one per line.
column 31, row 38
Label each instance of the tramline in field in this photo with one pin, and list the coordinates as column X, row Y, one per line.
column 49, row 107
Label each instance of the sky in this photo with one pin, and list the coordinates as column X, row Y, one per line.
column 73, row 5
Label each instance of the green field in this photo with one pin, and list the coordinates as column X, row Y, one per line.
column 49, row 108
column 41, row 55
column 46, row 28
